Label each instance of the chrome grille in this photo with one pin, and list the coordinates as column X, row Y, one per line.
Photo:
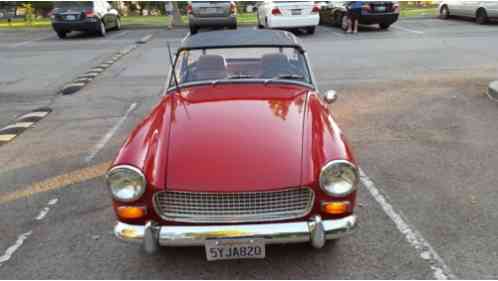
column 215, row 207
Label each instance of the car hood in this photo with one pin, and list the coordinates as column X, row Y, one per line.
column 236, row 137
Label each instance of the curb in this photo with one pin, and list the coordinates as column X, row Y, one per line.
column 82, row 80
column 22, row 123
column 493, row 91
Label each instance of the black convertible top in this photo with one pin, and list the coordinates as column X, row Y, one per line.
column 240, row 38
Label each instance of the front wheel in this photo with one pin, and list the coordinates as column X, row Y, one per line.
column 481, row 17
column 384, row 26
column 102, row 31
column 233, row 26
column 61, row 34
column 311, row 29
column 193, row 30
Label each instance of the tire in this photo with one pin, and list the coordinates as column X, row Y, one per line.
column 384, row 26
column 444, row 13
column 337, row 19
column 311, row 29
column 481, row 16
column 61, row 34
column 193, row 30
column 118, row 24
column 233, row 26
column 101, row 29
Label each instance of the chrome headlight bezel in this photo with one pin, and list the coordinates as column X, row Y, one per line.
column 133, row 172
column 338, row 165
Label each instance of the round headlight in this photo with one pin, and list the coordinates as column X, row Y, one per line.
column 126, row 183
column 339, row 178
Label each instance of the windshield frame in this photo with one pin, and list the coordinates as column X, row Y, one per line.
column 171, row 81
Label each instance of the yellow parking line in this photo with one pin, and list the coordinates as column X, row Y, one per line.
column 5, row 138
column 57, row 182
column 19, row 125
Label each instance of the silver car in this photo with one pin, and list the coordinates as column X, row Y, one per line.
column 211, row 14
column 481, row 11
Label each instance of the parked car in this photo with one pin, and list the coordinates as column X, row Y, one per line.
column 288, row 14
column 241, row 152
column 481, row 11
column 89, row 16
column 208, row 14
column 383, row 13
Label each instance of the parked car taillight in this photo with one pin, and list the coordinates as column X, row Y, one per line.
column 189, row 9
column 233, row 9
column 316, row 9
column 276, row 12
column 89, row 13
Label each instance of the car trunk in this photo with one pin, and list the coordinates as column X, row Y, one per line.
column 294, row 8
column 71, row 11
column 211, row 8
column 381, row 7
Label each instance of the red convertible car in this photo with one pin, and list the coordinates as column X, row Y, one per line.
column 241, row 152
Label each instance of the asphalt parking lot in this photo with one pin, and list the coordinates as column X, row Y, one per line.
column 412, row 101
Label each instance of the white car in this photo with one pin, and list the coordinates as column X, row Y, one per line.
column 481, row 11
column 288, row 14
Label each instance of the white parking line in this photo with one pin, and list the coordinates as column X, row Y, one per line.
column 109, row 134
column 120, row 34
column 12, row 249
column 29, row 42
column 21, row 238
column 407, row 29
column 439, row 268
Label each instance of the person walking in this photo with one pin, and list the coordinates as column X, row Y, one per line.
column 354, row 13
column 168, row 8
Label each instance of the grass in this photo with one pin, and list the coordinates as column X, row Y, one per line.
column 413, row 11
column 20, row 23
column 162, row 21
column 145, row 21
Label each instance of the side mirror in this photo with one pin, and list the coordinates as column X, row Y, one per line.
column 330, row 96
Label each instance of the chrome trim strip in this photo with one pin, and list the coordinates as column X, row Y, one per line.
column 258, row 217
column 241, row 81
column 315, row 231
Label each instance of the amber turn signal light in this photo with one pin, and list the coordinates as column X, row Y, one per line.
column 129, row 212
column 335, row 208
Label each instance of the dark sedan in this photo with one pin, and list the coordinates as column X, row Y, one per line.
column 383, row 13
column 89, row 16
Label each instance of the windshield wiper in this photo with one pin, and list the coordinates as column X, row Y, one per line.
column 240, row 76
column 289, row 76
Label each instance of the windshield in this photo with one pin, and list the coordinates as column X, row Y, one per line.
column 241, row 63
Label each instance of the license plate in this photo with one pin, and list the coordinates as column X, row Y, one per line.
column 296, row 12
column 210, row 10
column 230, row 249
column 380, row 9
column 70, row 17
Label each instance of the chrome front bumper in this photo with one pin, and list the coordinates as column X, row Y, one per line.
column 315, row 231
